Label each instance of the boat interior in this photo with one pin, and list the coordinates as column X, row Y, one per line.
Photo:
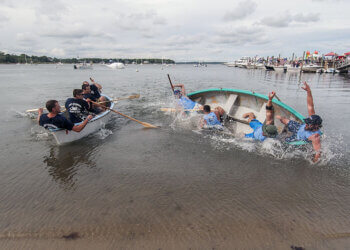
column 236, row 104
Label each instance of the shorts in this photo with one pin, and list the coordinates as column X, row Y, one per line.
column 293, row 127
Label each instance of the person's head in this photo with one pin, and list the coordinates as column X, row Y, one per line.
column 85, row 83
column 86, row 88
column 270, row 131
column 177, row 93
column 206, row 109
column 313, row 123
column 53, row 107
column 78, row 93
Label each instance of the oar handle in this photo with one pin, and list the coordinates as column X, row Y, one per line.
column 145, row 124
column 171, row 84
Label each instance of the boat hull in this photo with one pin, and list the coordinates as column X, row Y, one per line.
column 237, row 102
column 63, row 136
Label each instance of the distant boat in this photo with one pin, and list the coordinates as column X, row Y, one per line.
column 83, row 65
column 311, row 68
column 116, row 65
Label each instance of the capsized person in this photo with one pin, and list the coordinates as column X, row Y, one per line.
column 310, row 130
column 211, row 119
column 262, row 131
column 183, row 101
column 53, row 120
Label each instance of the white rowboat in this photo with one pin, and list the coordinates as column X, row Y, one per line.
column 63, row 136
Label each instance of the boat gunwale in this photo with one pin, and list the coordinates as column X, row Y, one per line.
column 247, row 92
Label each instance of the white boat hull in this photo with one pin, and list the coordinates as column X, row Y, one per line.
column 63, row 136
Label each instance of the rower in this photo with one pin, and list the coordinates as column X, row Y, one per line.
column 95, row 90
column 88, row 96
column 262, row 131
column 211, row 119
column 77, row 107
column 183, row 101
column 310, row 131
column 53, row 120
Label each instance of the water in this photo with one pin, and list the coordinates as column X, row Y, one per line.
column 171, row 188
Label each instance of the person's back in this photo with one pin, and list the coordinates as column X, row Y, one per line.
column 77, row 107
column 186, row 103
column 211, row 119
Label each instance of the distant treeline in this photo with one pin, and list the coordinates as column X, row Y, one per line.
column 23, row 58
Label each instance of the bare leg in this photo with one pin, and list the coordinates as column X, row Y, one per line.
column 219, row 112
column 250, row 116
column 284, row 120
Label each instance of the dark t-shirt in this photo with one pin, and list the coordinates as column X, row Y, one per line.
column 90, row 96
column 77, row 109
column 94, row 91
column 56, row 122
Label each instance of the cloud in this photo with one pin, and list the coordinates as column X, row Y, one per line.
column 242, row 36
column 287, row 19
column 139, row 21
column 242, row 10
column 3, row 18
column 54, row 10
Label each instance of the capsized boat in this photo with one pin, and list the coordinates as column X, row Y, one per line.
column 237, row 102
column 63, row 136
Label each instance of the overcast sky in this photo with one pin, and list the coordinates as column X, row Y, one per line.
column 183, row 30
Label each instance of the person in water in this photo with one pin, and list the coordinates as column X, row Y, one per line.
column 211, row 119
column 54, row 120
column 183, row 101
column 77, row 107
column 310, row 130
column 262, row 131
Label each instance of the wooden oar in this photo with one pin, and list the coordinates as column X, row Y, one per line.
column 174, row 110
column 114, row 100
column 171, row 84
column 145, row 124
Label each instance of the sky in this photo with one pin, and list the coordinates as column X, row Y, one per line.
column 182, row 30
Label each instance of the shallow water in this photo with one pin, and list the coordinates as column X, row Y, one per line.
column 172, row 188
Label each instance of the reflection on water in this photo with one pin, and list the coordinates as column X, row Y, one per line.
column 64, row 162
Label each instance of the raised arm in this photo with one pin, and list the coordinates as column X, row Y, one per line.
column 310, row 100
column 99, row 86
column 269, row 109
column 40, row 112
column 183, row 92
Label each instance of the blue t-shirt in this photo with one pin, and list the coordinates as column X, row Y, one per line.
column 94, row 91
column 303, row 134
column 77, row 109
column 186, row 103
column 211, row 119
column 56, row 122
column 257, row 133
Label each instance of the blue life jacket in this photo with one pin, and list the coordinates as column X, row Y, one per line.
column 211, row 119
column 303, row 134
column 186, row 103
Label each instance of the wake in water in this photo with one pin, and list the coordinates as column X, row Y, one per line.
column 332, row 146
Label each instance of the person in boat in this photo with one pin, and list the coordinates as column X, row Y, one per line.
column 77, row 107
column 262, row 131
column 310, row 130
column 54, row 120
column 183, row 101
column 89, row 96
column 211, row 119
column 95, row 90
